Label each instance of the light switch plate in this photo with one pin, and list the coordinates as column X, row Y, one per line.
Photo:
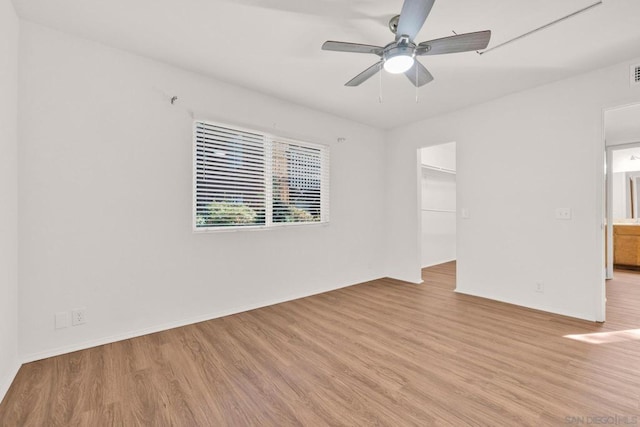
column 62, row 320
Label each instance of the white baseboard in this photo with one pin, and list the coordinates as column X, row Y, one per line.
column 416, row 280
column 7, row 380
column 552, row 310
column 176, row 324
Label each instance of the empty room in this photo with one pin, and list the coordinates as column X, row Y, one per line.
column 221, row 213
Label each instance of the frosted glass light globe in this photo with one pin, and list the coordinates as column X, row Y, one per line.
column 398, row 64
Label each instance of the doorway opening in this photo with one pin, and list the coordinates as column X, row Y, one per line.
column 438, row 204
column 622, row 213
column 623, row 207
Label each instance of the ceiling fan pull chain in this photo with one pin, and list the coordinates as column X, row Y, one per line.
column 380, row 89
column 416, row 67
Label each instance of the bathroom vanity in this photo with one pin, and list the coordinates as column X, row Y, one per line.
column 626, row 244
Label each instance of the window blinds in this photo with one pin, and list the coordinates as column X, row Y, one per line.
column 247, row 179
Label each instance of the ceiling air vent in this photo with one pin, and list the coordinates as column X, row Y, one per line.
column 635, row 75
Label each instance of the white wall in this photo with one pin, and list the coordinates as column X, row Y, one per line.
column 438, row 194
column 105, row 197
column 619, row 197
column 512, row 157
column 8, row 195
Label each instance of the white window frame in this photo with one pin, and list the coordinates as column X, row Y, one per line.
column 269, row 140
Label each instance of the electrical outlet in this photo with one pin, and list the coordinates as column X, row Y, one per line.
column 62, row 320
column 539, row 287
column 78, row 317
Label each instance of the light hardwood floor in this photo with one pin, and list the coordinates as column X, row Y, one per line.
column 378, row 353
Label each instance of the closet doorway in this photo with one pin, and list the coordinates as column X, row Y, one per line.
column 438, row 204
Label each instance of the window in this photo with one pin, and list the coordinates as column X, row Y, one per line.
column 244, row 178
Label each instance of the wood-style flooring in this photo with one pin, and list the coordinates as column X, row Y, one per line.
column 379, row 353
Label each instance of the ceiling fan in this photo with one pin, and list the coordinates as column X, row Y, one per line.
column 399, row 56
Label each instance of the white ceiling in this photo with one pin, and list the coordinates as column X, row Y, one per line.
column 273, row 46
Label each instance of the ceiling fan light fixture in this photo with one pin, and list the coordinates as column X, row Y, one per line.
column 398, row 64
column 399, row 57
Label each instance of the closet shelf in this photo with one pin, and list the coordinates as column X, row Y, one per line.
column 438, row 210
column 438, row 169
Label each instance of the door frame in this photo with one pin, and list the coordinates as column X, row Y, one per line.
column 609, row 149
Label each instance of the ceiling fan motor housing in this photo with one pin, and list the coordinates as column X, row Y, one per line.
column 403, row 47
column 399, row 49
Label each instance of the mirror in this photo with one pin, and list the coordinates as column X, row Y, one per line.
column 632, row 187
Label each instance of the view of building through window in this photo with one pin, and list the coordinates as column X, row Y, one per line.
column 244, row 178
column 296, row 183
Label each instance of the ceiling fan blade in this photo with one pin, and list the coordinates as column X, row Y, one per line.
column 365, row 75
column 453, row 44
column 412, row 17
column 352, row 47
column 418, row 74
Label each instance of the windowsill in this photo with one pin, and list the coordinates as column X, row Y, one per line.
column 259, row 227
